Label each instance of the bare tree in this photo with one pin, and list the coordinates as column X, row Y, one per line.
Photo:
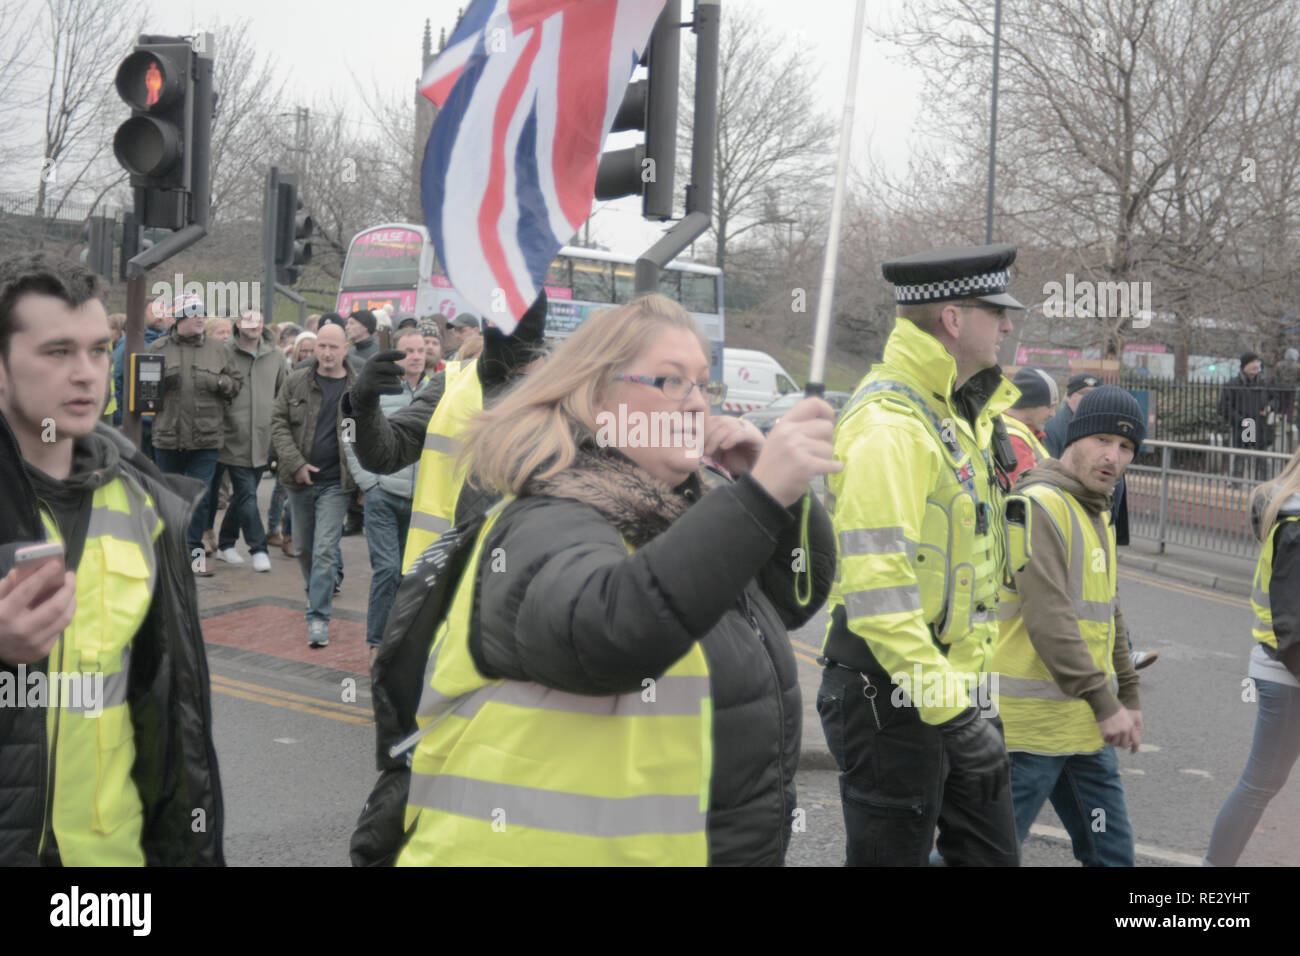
column 84, row 39
column 1125, row 126
column 15, row 40
column 774, row 145
column 249, row 92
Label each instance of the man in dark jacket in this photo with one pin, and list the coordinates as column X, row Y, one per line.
column 199, row 381
column 133, row 777
column 1245, row 405
column 309, row 438
column 361, row 328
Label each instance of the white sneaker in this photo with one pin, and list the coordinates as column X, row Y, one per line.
column 261, row 562
column 230, row 556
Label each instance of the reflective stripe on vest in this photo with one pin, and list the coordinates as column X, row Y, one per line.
column 438, row 481
column 957, row 597
column 512, row 772
column 98, row 816
column 1037, row 715
column 1026, row 433
column 1259, row 599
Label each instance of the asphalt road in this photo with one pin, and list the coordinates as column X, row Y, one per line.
column 295, row 745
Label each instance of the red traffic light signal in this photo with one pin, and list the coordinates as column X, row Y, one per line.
column 151, row 79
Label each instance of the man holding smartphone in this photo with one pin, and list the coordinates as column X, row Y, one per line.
column 129, row 778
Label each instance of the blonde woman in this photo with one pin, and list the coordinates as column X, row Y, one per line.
column 1274, row 665
column 613, row 682
column 304, row 348
column 218, row 327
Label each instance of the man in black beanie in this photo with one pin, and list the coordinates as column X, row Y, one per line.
column 1245, row 405
column 1067, row 687
column 1039, row 397
column 361, row 328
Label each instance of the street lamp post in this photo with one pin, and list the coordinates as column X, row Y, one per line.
column 993, row 122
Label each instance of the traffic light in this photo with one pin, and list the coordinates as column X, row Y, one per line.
column 293, row 228
column 650, row 104
column 98, row 254
column 164, row 145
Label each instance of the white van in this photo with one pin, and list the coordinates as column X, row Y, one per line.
column 754, row 380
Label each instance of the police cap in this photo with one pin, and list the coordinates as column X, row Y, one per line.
column 965, row 272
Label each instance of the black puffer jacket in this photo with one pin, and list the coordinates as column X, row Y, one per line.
column 574, row 611
column 176, row 764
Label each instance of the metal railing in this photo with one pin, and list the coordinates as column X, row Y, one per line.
column 1203, row 504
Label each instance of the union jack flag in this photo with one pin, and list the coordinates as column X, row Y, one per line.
column 527, row 90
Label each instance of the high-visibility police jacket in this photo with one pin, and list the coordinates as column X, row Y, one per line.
column 96, row 812
column 635, row 792
column 1277, row 629
column 1037, row 716
column 438, row 480
column 918, row 514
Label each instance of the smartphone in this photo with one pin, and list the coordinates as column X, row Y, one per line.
column 29, row 558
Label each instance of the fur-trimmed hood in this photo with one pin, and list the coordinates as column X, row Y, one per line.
column 640, row 506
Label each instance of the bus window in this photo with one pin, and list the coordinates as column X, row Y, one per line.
column 670, row 284
column 559, row 275
column 592, row 281
column 699, row 292
column 624, row 283
column 390, row 262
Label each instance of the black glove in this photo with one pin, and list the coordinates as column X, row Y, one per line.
column 381, row 375
column 974, row 747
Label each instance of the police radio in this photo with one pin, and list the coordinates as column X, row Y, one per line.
column 145, row 395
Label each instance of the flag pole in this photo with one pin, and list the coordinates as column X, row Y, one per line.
column 822, row 328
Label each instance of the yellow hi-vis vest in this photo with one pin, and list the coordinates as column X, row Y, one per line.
column 438, row 481
column 97, row 814
column 1037, row 716
column 515, row 773
column 1023, row 431
column 958, row 563
column 1259, row 599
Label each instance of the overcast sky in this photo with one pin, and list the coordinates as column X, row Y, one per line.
column 322, row 45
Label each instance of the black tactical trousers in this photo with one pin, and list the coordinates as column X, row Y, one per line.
column 896, row 784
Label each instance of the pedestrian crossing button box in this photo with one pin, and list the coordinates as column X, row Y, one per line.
column 146, row 392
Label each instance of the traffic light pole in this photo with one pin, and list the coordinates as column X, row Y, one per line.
column 134, row 343
column 269, row 212
column 699, row 194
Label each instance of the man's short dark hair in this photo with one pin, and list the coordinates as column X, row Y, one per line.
column 43, row 274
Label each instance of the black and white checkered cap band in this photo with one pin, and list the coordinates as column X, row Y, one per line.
column 985, row 284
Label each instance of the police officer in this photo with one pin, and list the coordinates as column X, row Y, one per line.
column 918, row 512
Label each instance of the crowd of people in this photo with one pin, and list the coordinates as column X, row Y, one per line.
column 579, row 643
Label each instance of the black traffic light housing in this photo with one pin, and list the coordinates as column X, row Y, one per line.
column 293, row 229
column 651, row 104
column 165, row 144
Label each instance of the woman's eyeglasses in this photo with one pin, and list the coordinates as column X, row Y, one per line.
column 678, row 388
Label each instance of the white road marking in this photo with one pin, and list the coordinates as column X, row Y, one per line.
column 1142, row 849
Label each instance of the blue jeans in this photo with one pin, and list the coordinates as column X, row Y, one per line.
column 243, row 513
column 1273, row 753
column 1087, row 795
column 200, row 464
column 318, row 513
column 387, row 518
column 278, row 515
